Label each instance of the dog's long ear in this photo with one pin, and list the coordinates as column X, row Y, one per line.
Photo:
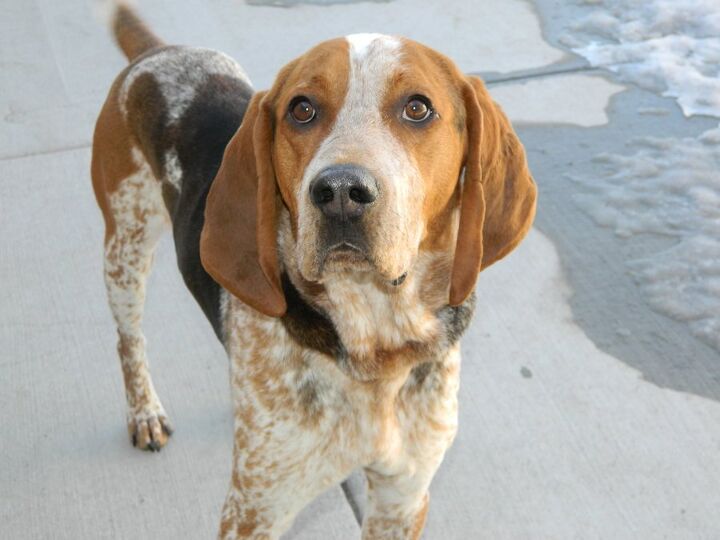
column 238, row 245
column 498, row 194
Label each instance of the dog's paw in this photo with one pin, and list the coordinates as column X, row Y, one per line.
column 149, row 428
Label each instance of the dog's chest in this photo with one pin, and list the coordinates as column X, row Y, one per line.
column 369, row 319
column 286, row 388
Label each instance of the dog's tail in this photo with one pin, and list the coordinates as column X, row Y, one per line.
column 131, row 33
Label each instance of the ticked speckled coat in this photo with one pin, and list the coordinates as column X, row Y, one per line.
column 332, row 230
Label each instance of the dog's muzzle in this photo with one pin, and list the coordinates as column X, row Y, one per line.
column 343, row 193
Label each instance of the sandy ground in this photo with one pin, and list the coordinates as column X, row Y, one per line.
column 584, row 414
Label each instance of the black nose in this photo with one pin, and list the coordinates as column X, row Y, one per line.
column 343, row 191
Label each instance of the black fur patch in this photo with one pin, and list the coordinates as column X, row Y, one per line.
column 199, row 137
column 456, row 319
column 203, row 132
column 308, row 326
column 422, row 371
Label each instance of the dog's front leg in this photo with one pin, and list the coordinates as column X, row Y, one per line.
column 270, row 482
column 397, row 507
column 286, row 431
column 426, row 411
column 279, row 466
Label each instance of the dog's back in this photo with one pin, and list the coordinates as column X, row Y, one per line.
column 158, row 144
column 178, row 107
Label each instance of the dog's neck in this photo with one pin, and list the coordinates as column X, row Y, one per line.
column 375, row 329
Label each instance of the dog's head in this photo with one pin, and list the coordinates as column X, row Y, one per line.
column 371, row 143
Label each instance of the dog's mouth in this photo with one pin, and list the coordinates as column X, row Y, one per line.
column 348, row 257
column 344, row 256
column 354, row 251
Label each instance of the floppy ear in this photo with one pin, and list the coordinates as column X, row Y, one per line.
column 238, row 245
column 498, row 194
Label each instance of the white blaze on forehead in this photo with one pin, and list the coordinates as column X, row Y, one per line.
column 373, row 58
column 378, row 50
column 359, row 43
column 361, row 135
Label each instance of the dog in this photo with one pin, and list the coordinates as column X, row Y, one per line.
column 332, row 229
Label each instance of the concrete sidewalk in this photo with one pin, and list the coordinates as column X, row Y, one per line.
column 584, row 414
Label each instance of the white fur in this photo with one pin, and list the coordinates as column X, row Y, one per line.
column 173, row 169
column 360, row 43
column 128, row 258
column 179, row 71
column 138, row 193
column 369, row 315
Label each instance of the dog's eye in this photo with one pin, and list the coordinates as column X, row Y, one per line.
column 302, row 110
column 417, row 109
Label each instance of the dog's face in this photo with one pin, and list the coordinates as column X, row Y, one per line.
column 364, row 140
column 367, row 151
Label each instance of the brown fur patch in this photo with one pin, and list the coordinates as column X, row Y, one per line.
column 111, row 155
column 321, row 75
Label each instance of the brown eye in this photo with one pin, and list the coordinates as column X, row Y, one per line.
column 302, row 110
column 417, row 109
